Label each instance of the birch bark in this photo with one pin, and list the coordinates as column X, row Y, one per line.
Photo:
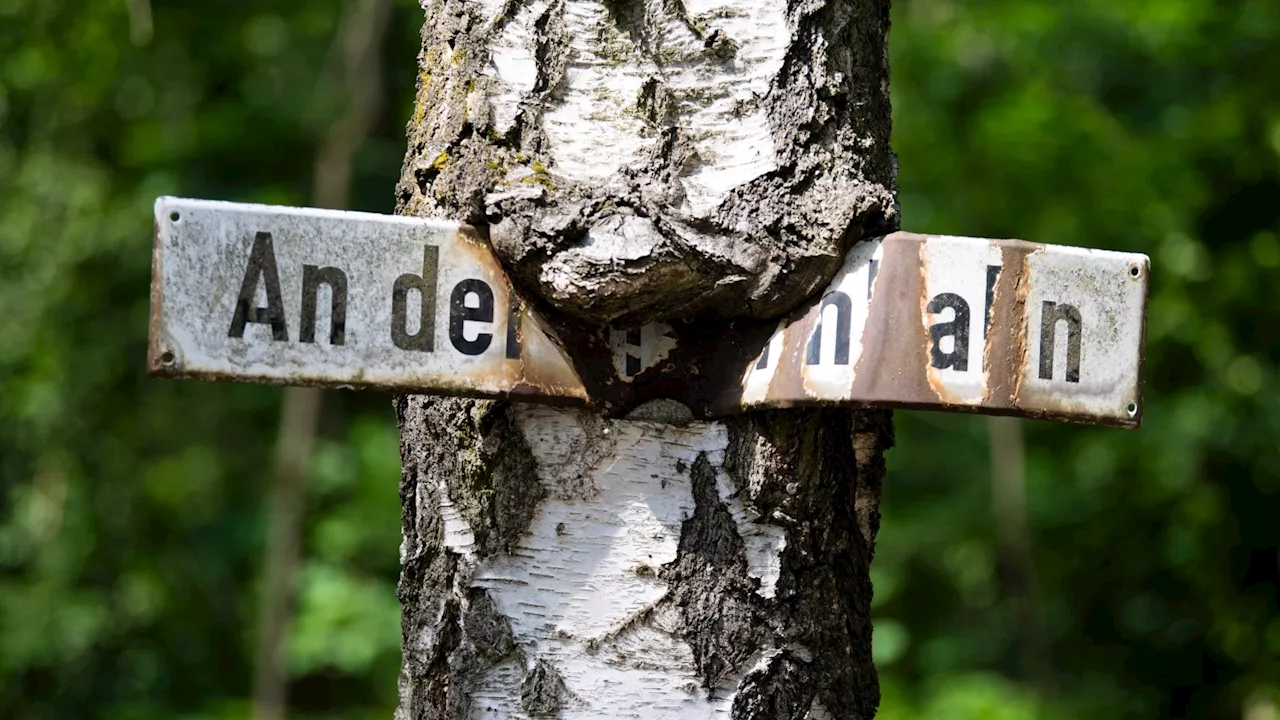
column 635, row 160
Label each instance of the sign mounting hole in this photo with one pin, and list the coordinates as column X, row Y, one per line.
column 1134, row 271
column 167, row 357
column 175, row 216
column 1133, row 409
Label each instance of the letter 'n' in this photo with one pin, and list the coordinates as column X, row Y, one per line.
column 1050, row 314
column 262, row 263
column 312, row 278
column 844, row 322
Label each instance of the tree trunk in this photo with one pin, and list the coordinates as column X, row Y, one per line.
column 634, row 160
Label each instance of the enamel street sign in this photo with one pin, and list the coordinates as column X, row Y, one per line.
column 302, row 296
column 344, row 299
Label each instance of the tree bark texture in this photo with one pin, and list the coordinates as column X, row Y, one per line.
column 646, row 159
column 634, row 160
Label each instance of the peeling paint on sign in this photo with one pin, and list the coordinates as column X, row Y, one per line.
column 302, row 296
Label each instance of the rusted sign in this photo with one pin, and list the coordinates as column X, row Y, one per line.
column 303, row 296
column 992, row 326
column 320, row 297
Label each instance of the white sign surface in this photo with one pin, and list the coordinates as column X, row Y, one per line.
column 318, row 297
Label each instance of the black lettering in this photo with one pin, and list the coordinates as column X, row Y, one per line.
column 1050, row 314
column 312, row 278
column 460, row 313
column 957, row 328
column 514, row 309
column 631, row 363
column 764, row 356
column 425, row 339
column 262, row 263
column 844, row 313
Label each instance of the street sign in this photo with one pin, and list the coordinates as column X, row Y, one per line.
column 992, row 326
column 302, row 296
column 320, row 297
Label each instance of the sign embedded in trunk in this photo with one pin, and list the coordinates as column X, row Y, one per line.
column 319, row 297
column 302, row 296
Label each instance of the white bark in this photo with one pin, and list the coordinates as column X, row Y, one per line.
column 720, row 104
column 581, row 589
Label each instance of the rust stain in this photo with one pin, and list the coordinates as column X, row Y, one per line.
column 894, row 367
column 895, row 343
column 526, row 376
column 155, row 321
column 1022, row 346
column 1006, row 345
column 786, row 387
column 1144, row 278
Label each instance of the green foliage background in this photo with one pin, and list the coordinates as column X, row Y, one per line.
column 132, row 510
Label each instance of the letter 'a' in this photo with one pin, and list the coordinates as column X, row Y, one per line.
column 262, row 263
column 957, row 328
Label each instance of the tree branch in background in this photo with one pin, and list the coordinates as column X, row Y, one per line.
column 140, row 24
column 358, row 44
column 1016, row 561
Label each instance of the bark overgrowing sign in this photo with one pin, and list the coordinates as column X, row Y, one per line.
column 346, row 299
column 303, row 296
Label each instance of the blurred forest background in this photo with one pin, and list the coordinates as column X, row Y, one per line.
column 1024, row 569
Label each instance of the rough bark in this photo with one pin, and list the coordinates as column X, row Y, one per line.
column 633, row 160
column 559, row 564
column 645, row 159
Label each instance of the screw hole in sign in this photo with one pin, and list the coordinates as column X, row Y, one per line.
column 1133, row 409
column 1134, row 271
column 167, row 358
column 175, row 216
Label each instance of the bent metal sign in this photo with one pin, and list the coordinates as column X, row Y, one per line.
column 344, row 299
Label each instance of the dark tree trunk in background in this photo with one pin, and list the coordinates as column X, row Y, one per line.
column 631, row 161
column 355, row 59
column 1016, row 554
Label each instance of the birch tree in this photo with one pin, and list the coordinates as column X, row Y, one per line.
column 633, row 161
